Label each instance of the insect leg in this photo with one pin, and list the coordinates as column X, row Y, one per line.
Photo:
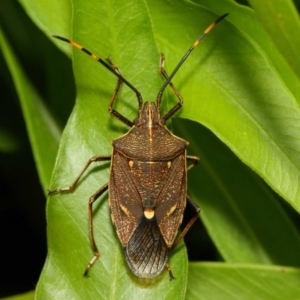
column 92, row 199
column 114, row 97
column 196, row 209
column 73, row 185
column 111, row 68
column 170, row 272
column 194, row 159
column 165, row 75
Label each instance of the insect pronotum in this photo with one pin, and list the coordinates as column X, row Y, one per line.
column 147, row 185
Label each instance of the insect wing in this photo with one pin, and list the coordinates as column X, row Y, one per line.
column 172, row 200
column 146, row 252
column 145, row 249
column 125, row 202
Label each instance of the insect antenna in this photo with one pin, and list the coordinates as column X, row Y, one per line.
column 186, row 55
column 105, row 64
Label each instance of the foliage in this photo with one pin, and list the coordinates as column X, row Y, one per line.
column 240, row 115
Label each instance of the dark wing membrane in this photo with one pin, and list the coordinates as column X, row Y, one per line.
column 125, row 201
column 172, row 200
column 146, row 252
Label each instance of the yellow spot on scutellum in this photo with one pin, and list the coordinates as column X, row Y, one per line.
column 169, row 164
column 130, row 163
column 149, row 213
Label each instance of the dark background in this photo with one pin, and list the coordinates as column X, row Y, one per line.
column 22, row 200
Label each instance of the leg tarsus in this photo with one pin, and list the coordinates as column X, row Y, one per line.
column 111, row 110
column 96, row 252
column 173, row 110
column 90, row 264
column 194, row 159
column 172, row 277
column 190, row 223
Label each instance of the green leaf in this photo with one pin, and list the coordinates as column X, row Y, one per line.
column 43, row 132
column 236, row 83
column 236, row 281
column 242, row 215
column 246, row 22
column 281, row 21
column 51, row 17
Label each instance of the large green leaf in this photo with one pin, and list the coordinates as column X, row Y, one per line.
column 249, row 27
column 236, row 83
column 242, row 215
column 247, row 282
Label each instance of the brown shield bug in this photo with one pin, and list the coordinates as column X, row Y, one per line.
column 148, row 178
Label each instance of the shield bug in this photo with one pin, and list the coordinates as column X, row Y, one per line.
column 148, row 178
